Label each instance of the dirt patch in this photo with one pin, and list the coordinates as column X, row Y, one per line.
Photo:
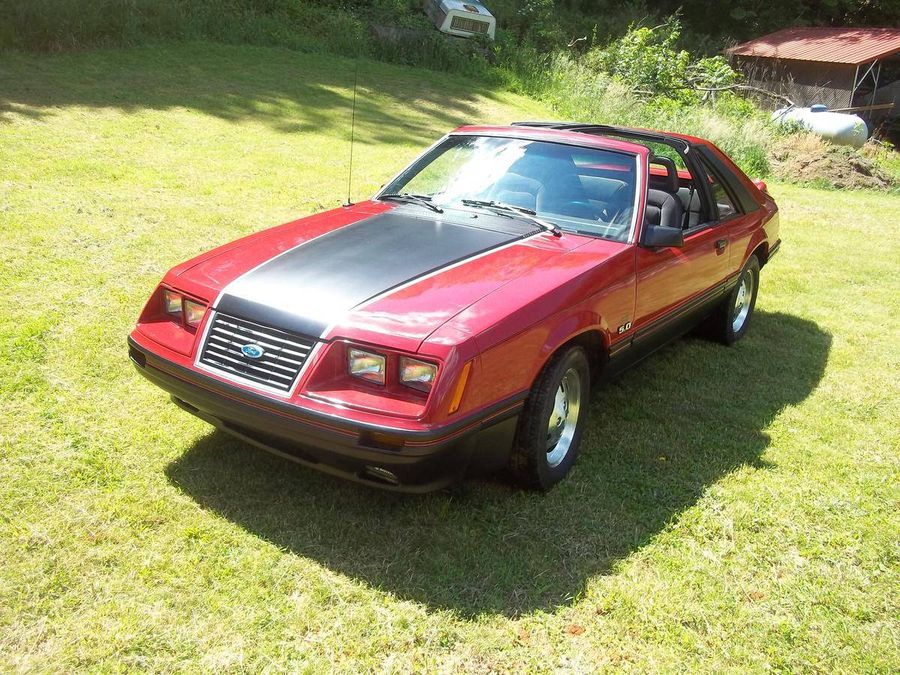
column 806, row 158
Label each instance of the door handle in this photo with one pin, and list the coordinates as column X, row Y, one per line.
column 721, row 244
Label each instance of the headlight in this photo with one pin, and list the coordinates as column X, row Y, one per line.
column 179, row 308
column 417, row 374
column 366, row 366
column 193, row 312
column 172, row 302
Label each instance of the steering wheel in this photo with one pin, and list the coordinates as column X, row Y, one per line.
column 581, row 208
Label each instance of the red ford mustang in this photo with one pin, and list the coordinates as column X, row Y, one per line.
column 457, row 320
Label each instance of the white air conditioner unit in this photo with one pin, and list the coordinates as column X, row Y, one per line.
column 463, row 19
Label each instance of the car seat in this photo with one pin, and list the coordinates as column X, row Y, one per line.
column 664, row 205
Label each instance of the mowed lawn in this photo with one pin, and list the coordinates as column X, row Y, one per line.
column 733, row 509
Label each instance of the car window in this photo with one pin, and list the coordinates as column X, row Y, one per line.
column 431, row 179
column 656, row 148
column 586, row 190
column 724, row 203
column 663, row 150
column 741, row 197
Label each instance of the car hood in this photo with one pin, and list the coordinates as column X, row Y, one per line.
column 388, row 276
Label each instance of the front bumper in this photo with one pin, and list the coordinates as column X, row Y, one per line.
column 419, row 461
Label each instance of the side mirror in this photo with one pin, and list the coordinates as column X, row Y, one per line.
column 660, row 236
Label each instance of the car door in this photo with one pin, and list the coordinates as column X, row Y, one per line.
column 738, row 210
column 674, row 284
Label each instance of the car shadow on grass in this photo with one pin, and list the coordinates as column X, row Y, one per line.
column 658, row 438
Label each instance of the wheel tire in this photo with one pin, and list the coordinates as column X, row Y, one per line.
column 731, row 320
column 565, row 379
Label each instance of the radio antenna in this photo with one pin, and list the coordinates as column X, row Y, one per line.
column 352, row 132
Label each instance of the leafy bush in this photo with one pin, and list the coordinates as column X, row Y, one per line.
column 535, row 19
column 646, row 59
column 649, row 61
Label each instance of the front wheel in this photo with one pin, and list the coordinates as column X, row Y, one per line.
column 553, row 421
column 732, row 319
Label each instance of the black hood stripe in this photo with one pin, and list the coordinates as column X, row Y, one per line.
column 312, row 286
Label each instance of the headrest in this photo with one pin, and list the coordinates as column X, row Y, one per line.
column 663, row 208
column 671, row 186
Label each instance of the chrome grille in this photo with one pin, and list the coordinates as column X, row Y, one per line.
column 283, row 353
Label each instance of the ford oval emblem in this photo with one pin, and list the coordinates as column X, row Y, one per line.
column 252, row 351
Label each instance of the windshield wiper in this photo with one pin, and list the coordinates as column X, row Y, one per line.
column 421, row 200
column 504, row 209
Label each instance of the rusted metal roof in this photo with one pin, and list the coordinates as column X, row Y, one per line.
column 828, row 45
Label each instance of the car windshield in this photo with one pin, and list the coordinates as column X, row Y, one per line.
column 579, row 189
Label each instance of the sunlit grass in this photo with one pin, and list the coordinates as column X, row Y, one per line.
column 733, row 508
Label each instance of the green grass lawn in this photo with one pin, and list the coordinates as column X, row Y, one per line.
column 733, row 509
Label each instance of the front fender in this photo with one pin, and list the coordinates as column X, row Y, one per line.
column 513, row 365
column 568, row 329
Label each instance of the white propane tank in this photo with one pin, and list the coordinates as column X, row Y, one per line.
column 839, row 128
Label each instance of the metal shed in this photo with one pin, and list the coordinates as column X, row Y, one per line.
column 840, row 67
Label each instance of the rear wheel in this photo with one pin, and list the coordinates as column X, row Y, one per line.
column 552, row 421
column 732, row 319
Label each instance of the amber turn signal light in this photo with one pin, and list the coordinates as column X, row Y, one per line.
column 460, row 387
